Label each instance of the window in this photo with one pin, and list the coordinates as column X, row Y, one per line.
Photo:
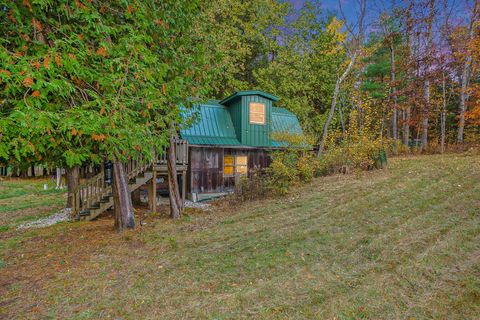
column 241, row 165
column 228, row 165
column 257, row 113
column 233, row 165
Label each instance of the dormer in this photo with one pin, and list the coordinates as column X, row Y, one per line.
column 251, row 113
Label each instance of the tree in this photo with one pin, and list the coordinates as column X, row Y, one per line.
column 356, row 43
column 102, row 82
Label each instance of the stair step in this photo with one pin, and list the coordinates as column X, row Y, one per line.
column 85, row 213
column 96, row 205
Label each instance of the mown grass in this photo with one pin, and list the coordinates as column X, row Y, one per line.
column 392, row 244
column 23, row 200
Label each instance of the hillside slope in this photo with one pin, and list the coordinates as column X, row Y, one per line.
column 395, row 243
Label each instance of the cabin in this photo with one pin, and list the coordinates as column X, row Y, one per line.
column 230, row 138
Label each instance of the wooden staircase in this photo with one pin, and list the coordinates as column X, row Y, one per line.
column 94, row 196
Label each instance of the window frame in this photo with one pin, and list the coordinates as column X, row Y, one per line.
column 263, row 113
column 235, row 165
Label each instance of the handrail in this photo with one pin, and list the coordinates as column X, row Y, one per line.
column 181, row 153
column 91, row 192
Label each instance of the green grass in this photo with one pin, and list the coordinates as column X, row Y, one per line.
column 24, row 200
column 391, row 244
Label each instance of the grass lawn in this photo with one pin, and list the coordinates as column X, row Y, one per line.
column 399, row 243
column 23, row 200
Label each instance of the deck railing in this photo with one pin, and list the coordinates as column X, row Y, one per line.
column 181, row 151
column 90, row 193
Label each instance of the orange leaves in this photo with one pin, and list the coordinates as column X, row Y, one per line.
column 46, row 62
column 149, row 105
column 74, row 132
column 27, row 4
column 27, row 82
column 58, row 62
column 37, row 25
column 36, row 93
column 36, row 64
column 130, row 9
column 8, row 73
column 79, row 4
column 102, row 51
column 98, row 137
column 102, row 111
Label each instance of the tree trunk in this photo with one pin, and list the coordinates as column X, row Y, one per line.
column 334, row 103
column 122, row 201
column 394, row 94
column 58, row 176
column 443, row 116
column 466, row 75
column 73, row 180
column 426, row 111
column 424, row 124
column 176, row 204
column 406, row 126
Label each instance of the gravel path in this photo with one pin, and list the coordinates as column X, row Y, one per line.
column 62, row 215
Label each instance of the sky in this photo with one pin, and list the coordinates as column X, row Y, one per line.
column 374, row 7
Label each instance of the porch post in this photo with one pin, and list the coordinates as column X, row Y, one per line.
column 184, row 185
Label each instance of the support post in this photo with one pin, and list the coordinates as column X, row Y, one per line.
column 184, row 186
column 150, row 194
column 153, row 204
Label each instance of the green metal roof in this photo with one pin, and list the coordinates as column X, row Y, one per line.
column 213, row 126
column 249, row 93
column 284, row 121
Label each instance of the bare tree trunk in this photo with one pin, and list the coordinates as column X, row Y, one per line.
column 334, row 103
column 466, row 73
column 176, row 204
column 58, row 173
column 424, row 124
column 406, row 126
column 426, row 111
column 122, row 201
column 394, row 94
column 443, row 116
column 73, row 180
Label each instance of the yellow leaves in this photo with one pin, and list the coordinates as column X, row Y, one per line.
column 102, row 51
column 36, row 94
column 27, row 82
column 164, row 88
column 98, row 137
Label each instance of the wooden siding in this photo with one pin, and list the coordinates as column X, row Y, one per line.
column 205, row 173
